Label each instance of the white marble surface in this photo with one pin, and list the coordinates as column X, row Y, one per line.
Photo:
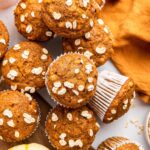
column 117, row 128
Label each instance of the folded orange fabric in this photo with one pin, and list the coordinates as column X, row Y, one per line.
column 129, row 22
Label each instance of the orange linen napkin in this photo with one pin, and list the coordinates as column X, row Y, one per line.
column 129, row 21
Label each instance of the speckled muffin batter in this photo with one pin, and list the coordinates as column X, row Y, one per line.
column 4, row 39
column 69, row 129
column 96, row 44
column 119, row 143
column 24, row 66
column 71, row 80
column 113, row 97
column 69, row 18
column 19, row 116
column 28, row 19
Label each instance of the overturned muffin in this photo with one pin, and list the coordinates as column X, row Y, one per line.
column 69, row 18
column 95, row 44
column 19, row 116
column 119, row 143
column 25, row 65
column 71, row 80
column 113, row 96
column 4, row 39
column 71, row 129
column 28, row 19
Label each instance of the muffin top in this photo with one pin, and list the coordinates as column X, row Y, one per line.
column 95, row 44
column 69, row 18
column 4, row 39
column 119, row 143
column 71, row 129
column 71, row 80
column 24, row 66
column 28, row 19
column 19, row 116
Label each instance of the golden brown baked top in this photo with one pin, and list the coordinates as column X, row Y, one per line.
column 25, row 65
column 69, row 18
column 28, row 19
column 71, row 129
column 19, row 116
column 71, row 80
column 4, row 39
column 95, row 44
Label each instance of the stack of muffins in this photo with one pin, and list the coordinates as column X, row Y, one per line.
column 72, row 79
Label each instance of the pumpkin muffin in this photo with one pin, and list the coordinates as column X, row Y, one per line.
column 114, row 96
column 24, row 66
column 32, row 146
column 71, row 80
column 73, row 129
column 4, row 39
column 119, row 143
column 69, row 18
column 28, row 19
column 95, row 44
column 19, row 116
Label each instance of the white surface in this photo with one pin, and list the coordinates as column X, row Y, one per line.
column 116, row 128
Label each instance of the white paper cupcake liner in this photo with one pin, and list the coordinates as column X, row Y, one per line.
column 46, row 76
column 36, row 127
column 117, row 142
column 108, row 86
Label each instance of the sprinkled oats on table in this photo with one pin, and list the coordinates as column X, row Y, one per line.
column 71, row 80
column 28, row 19
column 72, row 128
column 24, row 67
column 19, row 116
column 69, row 18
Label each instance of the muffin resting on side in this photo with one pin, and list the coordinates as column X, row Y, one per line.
column 73, row 129
column 95, row 44
column 69, row 18
column 71, row 80
column 24, row 66
column 4, row 39
column 32, row 146
column 119, row 143
column 28, row 19
column 113, row 96
column 19, row 116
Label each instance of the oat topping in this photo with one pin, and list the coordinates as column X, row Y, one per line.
column 113, row 111
column 25, row 54
column 91, row 132
column 23, row 5
column 86, row 114
column 2, row 41
column 73, row 143
column 28, row 96
column 77, row 42
column 13, row 87
column 16, row 47
column 33, row 14
column 11, row 123
column 62, row 142
column 75, row 92
column 56, row 15
column 90, row 88
column 69, row 116
column 49, row 33
column 44, row 57
column 100, row 21
column 28, row 118
column 54, row 117
column 17, row 134
column 100, row 50
column 29, row 28
column 81, row 88
column 5, row 62
column 45, row 51
column 88, row 54
column 8, row 113
column 69, row 85
column 62, row 91
column 68, row 25
column 12, row 60
column 69, row 2
column 37, row 71
column 87, row 35
column 76, row 71
column 89, row 68
column 1, row 121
